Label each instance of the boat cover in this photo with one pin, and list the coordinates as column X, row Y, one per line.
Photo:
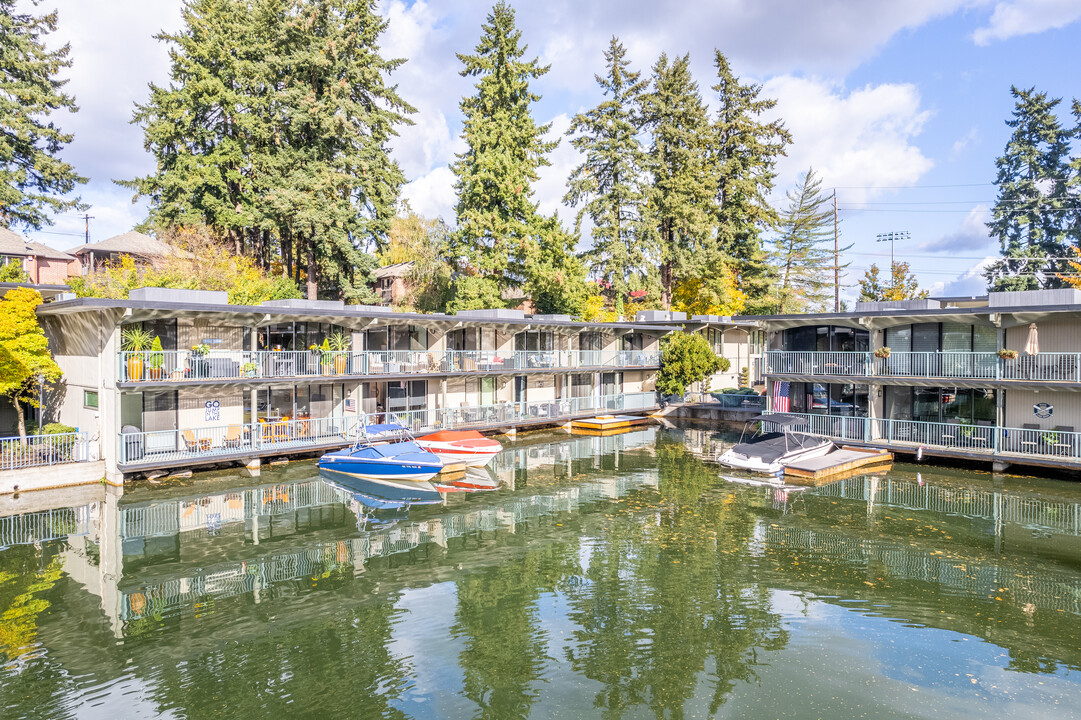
column 780, row 419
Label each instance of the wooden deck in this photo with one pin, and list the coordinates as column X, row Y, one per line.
column 836, row 465
column 608, row 424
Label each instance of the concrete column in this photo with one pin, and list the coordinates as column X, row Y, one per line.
column 252, row 467
column 108, row 425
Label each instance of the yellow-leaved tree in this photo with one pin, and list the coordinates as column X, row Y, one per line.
column 25, row 361
column 715, row 295
column 1073, row 278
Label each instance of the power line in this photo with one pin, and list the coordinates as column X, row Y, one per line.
column 910, row 187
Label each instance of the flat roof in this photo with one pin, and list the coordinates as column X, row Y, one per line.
column 1020, row 314
column 261, row 314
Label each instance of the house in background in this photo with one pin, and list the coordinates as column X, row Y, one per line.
column 43, row 264
column 391, row 283
column 143, row 248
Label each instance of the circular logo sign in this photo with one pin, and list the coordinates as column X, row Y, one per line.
column 1043, row 410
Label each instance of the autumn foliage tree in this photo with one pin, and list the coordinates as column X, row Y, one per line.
column 902, row 284
column 25, row 360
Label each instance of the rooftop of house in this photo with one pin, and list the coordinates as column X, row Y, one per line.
column 12, row 243
column 393, row 271
column 129, row 243
column 995, row 308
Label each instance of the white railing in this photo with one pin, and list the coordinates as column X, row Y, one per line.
column 297, row 434
column 156, row 366
column 39, row 450
column 1044, row 367
column 998, row 441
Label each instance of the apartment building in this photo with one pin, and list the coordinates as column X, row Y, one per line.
column 236, row 383
column 996, row 377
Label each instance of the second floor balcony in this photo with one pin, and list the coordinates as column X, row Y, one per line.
column 185, row 365
column 1052, row 367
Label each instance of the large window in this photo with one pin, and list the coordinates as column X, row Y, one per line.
column 843, row 399
column 825, row 338
column 940, row 404
column 533, row 340
column 942, row 337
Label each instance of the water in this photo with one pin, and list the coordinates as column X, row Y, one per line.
column 611, row 577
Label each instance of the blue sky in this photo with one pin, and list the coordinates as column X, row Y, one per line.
column 901, row 106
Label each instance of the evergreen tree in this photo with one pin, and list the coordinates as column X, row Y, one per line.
column 801, row 257
column 33, row 179
column 610, row 184
column 497, row 217
column 681, row 193
column 1030, row 218
column 744, row 156
column 276, row 127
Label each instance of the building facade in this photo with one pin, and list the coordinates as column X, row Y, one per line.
column 996, row 377
column 236, row 383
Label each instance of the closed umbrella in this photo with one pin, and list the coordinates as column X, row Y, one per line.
column 1032, row 347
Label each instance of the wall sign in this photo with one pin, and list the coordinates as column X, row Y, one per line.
column 213, row 411
column 1043, row 410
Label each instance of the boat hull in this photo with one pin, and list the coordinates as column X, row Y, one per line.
column 734, row 459
column 396, row 489
column 466, row 447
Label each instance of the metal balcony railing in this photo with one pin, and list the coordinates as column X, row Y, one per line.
column 165, row 446
column 1044, row 367
column 173, row 365
column 43, row 450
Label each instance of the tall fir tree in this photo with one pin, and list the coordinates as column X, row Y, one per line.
column 683, row 182
column 33, row 179
column 497, row 218
column 276, row 127
column 802, row 256
column 610, row 185
column 1030, row 218
column 744, row 154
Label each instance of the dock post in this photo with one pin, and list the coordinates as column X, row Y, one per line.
column 251, row 467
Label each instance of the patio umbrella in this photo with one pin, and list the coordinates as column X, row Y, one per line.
column 1032, row 346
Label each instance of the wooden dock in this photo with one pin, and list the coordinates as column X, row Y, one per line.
column 608, row 424
column 837, row 465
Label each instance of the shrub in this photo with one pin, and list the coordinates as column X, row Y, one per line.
column 685, row 358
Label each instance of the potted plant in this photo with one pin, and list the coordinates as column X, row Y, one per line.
column 200, row 367
column 200, row 350
column 324, row 356
column 250, row 369
column 339, row 343
column 155, row 360
column 882, row 352
column 1007, row 354
column 135, row 341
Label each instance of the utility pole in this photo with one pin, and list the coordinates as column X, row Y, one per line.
column 87, row 217
column 836, row 260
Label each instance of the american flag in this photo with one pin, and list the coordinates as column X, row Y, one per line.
column 780, row 396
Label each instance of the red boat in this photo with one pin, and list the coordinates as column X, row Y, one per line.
column 461, row 446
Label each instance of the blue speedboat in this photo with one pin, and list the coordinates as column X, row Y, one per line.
column 386, row 462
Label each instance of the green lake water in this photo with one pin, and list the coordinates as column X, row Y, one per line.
column 617, row 577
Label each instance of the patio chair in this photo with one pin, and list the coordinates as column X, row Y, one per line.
column 194, row 444
column 1030, row 440
column 233, row 435
column 1065, row 445
column 950, row 432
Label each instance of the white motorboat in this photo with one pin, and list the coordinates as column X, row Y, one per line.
column 773, row 445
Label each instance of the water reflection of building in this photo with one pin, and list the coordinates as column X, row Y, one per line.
column 173, row 556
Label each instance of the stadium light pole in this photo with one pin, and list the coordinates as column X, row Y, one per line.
column 891, row 237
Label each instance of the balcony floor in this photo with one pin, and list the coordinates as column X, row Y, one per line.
column 925, row 381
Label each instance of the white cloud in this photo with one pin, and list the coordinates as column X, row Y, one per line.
column 969, row 283
column 858, row 139
column 552, row 185
column 1025, row 17
column 971, row 235
column 959, row 145
column 432, row 195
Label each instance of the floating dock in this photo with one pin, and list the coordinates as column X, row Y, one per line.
column 608, row 424
column 837, row 465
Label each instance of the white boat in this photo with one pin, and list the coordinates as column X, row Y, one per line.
column 773, row 445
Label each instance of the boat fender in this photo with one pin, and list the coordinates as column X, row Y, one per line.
column 919, row 453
